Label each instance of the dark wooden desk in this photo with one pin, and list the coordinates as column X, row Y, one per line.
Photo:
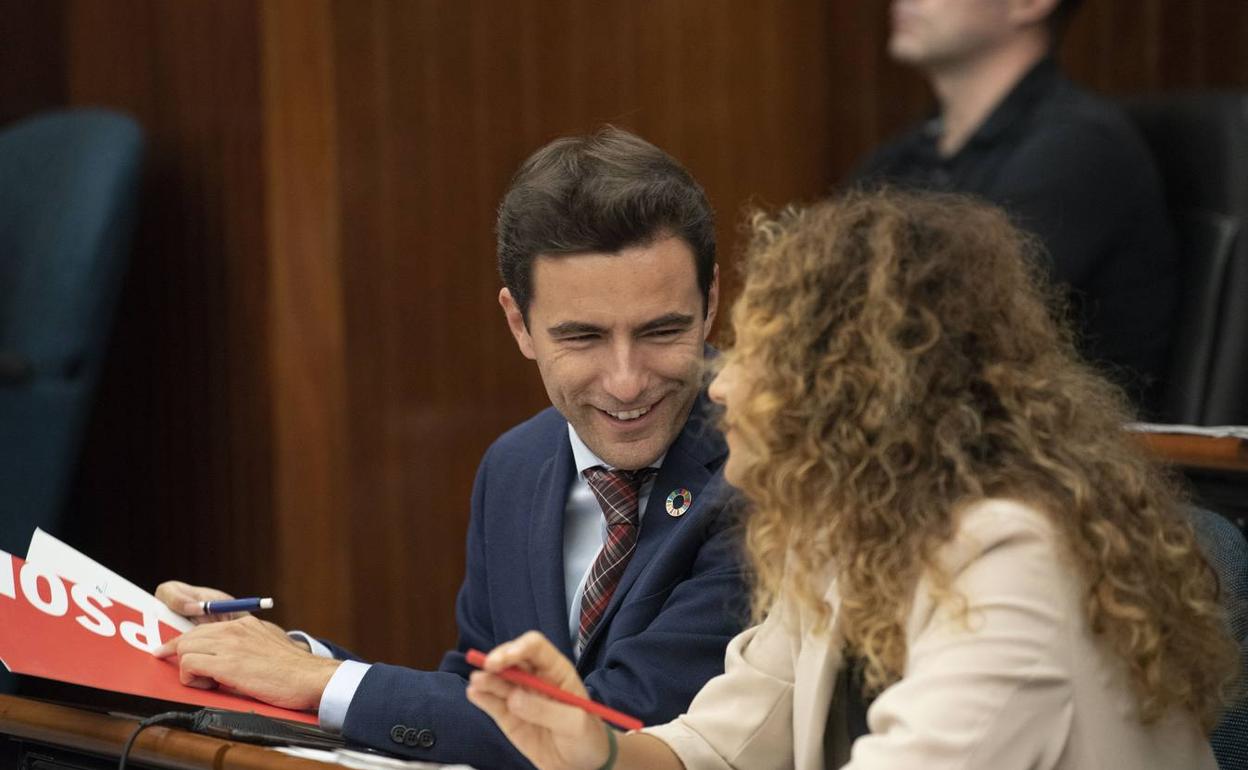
column 1200, row 452
column 97, row 739
column 1216, row 469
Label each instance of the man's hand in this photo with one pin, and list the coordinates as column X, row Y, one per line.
column 186, row 599
column 254, row 658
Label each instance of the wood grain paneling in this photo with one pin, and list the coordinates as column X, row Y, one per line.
column 437, row 105
column 32, row 57
column 305, row 317
column 177, row 473
column 310, row 359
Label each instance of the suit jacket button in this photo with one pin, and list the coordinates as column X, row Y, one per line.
column 425, row 738
column 397, row 732
column 410, row 737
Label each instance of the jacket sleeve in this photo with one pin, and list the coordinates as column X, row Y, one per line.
column 426, row 715
column 990, row 689
column 339, row 653
column 654, row 674
column 742, row 718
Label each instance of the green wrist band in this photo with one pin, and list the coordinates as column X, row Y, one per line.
column 613, row 748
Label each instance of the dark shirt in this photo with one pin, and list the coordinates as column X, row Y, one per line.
column 1070, row 168
column 847, row 713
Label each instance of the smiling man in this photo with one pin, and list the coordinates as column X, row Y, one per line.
column 618, row 338
column 602, row 521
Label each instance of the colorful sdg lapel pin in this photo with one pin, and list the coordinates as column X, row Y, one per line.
column 678, row 502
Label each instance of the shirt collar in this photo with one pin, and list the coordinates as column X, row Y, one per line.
column 585, row 458
column 1037, row 83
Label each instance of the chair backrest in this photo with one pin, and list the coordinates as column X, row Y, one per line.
column 1227, row 552
column 68, row 184
column 1200, row 141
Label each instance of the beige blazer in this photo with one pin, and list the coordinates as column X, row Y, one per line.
column 1025, row 686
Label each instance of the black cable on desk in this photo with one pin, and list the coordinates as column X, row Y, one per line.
column 180, row 718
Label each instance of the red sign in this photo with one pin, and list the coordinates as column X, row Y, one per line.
column 55, row 629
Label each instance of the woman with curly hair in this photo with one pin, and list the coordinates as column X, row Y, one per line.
column 946, row 516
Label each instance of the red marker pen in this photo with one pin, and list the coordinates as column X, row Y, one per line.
column 525, row 679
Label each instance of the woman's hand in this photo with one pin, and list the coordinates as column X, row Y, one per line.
column 553, row 735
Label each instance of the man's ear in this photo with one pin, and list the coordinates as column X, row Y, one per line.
column 515, row 322
column 712, row 304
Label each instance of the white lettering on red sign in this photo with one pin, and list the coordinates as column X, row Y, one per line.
column 7, row 587
column 94, row 620
column 57, row 604
column 144, row 636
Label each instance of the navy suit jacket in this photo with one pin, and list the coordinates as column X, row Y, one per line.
column 680, row 600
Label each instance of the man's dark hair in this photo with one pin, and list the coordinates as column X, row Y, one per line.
column 599, row 193
column 1059, row 20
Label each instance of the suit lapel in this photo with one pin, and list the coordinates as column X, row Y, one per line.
column 815, row 676
column 545, row 552
column 688, row 465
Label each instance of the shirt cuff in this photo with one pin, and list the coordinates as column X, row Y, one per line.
column 314, row 646
column 338, row 694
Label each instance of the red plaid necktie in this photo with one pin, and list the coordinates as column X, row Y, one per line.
column 617, row 493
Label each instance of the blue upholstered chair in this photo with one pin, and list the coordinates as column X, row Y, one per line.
column 1227, row 552
column 68, row 184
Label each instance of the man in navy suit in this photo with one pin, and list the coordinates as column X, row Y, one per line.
column 607, row 254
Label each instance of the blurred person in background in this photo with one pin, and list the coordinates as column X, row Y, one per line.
column 1067, row 164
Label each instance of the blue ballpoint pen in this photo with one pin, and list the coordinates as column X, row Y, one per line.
column 236, row 605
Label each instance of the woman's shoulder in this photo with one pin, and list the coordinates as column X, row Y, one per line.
column 995, row 523
column 1002, row 549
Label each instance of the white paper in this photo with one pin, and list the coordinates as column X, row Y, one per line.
column 1213, row 431
column 60, row 559
column 363, row 760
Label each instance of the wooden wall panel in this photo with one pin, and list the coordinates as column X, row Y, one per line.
column 32, row 57
column 438, row 103
column 872, row 97
column 176, row 476
column 1121, row 47
column 305, row 315
column 310, row 359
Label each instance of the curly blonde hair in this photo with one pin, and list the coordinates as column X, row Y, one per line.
column 901, row 360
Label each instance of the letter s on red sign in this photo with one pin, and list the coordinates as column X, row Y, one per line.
column 94, row 619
